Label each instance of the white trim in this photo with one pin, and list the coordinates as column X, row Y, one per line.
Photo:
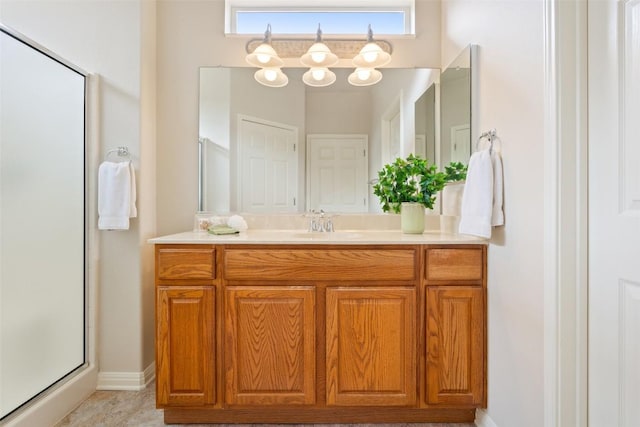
column 134, row 381
column 550, row 219
column 565, row 213
column 483, row 419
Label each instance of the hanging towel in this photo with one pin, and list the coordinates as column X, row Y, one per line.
column 497, row 213
column 482, row 197
column 116, row 195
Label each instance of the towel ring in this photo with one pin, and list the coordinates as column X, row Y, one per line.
column 120, row 151
column 490, row 135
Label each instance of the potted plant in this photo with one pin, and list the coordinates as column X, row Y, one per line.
column 408, row 186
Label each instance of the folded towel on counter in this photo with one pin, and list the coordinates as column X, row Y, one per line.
column 116, row 195
column 237, row 222
column 482, row 197
column 222, row 229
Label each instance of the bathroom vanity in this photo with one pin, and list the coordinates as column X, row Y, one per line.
column 296, row 327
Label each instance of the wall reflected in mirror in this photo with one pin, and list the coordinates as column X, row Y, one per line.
column 297, row 148
column 425, row 124
column 456, row 127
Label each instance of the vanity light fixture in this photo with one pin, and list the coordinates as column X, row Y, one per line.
column 319, row 54
column 318, row 58
column 265, row 55
column 319, row 77
column 271, row 76
column 364, row 77
column 371, row 55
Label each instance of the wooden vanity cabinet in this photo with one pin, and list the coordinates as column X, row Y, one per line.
column 271, row 323
column 185, row 350
column 185, row 325
column 455, row 280
column 270, row 345
column 371, row 350
column 320, row 333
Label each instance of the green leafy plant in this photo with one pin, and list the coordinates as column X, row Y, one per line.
column 414, row 180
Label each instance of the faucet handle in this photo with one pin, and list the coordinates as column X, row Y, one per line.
column 328, row 225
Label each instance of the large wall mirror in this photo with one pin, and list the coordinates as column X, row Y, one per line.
column 297, row 148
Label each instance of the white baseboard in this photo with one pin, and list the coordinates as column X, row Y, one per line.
column 132, row 381
column 56, row 404
column 483, row 419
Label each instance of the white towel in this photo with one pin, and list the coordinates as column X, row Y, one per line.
column 497, row 213
column 482, row 197
column 116, row 195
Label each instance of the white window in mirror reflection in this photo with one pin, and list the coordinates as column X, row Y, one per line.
column 336, row 16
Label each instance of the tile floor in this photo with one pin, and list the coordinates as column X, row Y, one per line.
column 137, row 408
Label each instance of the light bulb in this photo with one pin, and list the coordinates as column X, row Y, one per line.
column 263, row 58
column 370, row 56
column 318, row 74
column 364, row 74
column 270, row 75
column 318, row 57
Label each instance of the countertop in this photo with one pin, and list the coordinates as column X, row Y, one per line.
column 346, row 237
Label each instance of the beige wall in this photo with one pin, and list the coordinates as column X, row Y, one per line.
column 116, row 41
column 191, row 35
column 510, row 95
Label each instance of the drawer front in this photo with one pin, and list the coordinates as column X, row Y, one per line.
column 454, row 264
column 185, row 263
column 320, row 264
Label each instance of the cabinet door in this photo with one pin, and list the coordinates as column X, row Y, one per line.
column 371, row 351
column 185, row 351
column 270, row 345
column 455, row 345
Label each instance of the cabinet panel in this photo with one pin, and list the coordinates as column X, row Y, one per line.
column 371, row 358
column 320, row 264
column 270, row 345
column 451, row 264
column 185, row 351
column 455, row 345
column 185, row 264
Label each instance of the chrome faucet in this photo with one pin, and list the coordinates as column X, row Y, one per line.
column 319, row 222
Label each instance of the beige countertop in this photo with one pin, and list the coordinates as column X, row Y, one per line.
column 343, row 237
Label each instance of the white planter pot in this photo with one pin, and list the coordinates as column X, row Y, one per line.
column 412, row 218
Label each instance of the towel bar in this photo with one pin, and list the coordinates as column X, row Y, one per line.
column 121, row 152
column 490, row 135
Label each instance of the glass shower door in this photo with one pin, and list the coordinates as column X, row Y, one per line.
column 42, row 221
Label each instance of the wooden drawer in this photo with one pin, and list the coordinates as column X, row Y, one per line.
column 185, row 263
column 320, row 264
column 454, row 264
